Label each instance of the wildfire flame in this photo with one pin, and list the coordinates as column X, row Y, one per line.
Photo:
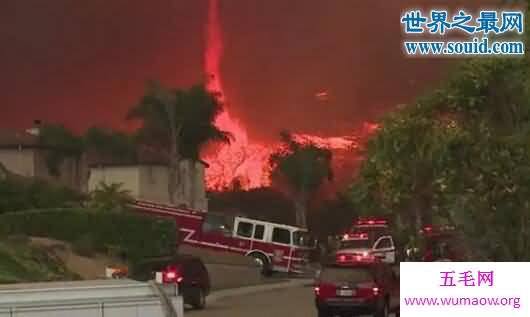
column 243, row 160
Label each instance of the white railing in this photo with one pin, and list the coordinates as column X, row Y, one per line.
column 108, row 298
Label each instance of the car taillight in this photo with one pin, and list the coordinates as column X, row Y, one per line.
column 353, row 258
column 172, row 275
column 368, row 289
column 325, row 290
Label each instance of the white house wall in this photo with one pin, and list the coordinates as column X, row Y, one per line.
column 154, row 183
column 20, row 162
column 150, row 182
column 129, row 176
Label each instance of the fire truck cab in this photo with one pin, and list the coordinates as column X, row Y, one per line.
column 275, row 247
column 441, row 244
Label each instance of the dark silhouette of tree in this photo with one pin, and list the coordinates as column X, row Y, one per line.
column 303, row 168
column 179, row 123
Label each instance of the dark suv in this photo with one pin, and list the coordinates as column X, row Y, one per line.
column 188, row 271
column 357, row 289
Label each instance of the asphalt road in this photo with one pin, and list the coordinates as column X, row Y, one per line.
column 291, row 302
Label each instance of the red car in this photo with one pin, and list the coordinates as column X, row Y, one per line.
column 188, row 271
column 357, row 288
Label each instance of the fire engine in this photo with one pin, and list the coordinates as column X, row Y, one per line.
column 368, row 238
column 275, row 247
column 441, row 243
column 374, row 226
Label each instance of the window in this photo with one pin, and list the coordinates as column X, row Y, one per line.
column 302, row 239
column 259, row 232
column 348, row 274
column 217, row 223
column 280, row 235
column 384, row 243
column 244, row 229
column 356, row 244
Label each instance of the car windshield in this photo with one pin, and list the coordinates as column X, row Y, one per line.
column 373, row 231
column 346, row 274
column 302, row 239
column 356, row 244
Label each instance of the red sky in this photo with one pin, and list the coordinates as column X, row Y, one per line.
column 85, row 62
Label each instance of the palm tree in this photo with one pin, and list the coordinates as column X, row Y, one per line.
column 179, row 123
column 303, row 168
column 110, row 197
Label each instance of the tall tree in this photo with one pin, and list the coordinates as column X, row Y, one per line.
column 162, row 119
column 461, row 154
column 303, row 168
column 110, row 144
column 62, row 143
column 179, row 123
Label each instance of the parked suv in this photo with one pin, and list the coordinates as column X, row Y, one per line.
column 357, row 289
column 189, row 272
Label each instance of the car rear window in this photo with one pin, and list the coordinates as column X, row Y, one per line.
column 347, row 274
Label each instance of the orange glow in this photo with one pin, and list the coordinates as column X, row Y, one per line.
column 244, row 160
column 241, row 160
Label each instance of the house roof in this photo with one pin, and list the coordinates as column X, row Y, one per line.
column 13, row 139
column 144, row 156
column 16, row 139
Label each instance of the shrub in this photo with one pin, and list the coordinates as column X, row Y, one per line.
column 17, row 193
column 20, row 262
column 85, row 246
column 110, row 197
column 136, row 235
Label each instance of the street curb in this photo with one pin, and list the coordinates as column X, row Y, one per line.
column 241, row 291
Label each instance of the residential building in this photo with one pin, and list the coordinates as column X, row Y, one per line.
column 21, row 154
column 147, row 179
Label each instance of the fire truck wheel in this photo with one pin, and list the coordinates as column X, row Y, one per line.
column 263, row 262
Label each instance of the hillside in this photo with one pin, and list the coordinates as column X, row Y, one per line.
column 43, row 259
column 21, row 261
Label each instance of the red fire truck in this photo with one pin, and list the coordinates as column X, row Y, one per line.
column 442, row 243
column 276, row 247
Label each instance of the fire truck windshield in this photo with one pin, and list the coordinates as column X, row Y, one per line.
column 302, row 239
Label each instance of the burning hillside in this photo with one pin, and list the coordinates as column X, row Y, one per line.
column 245, row 160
